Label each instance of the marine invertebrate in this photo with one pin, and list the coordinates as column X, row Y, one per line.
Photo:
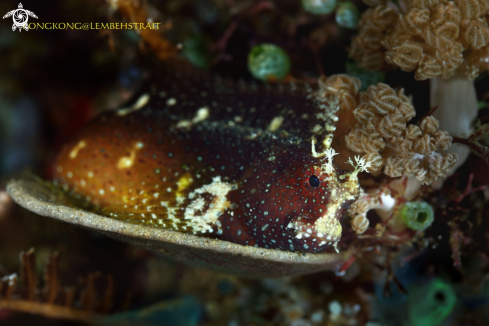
column 390, row 143
column 319, row 7
column 205, row 155
column 444, row 41
column 431, row 38
column 268, row 61
column 417, row 215
column 347, row 15
column 376, row 125
column 432, row 303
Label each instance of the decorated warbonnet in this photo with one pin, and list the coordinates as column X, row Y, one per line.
column 251, row 164
column 246, row 163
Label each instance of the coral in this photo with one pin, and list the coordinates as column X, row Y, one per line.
column 430, row 304
column 417, row 215
column 344, row 87
column 359, row 209
column 387, row 141
column 374, row 26
column 432, row 38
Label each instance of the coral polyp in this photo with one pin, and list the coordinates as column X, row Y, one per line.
column 203, row 155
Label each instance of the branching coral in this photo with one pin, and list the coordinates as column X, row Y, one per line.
column 388, row 142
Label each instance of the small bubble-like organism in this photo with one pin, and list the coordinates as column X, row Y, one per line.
column 246, row 163
column 319, row 7
column 347, row 15
column 417, row 215
column 268, row 61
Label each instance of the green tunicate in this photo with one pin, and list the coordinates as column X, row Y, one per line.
column 429, row 304
column 319, row 7
column 367, row 77
column 417, row 215
column 347, row 15
column 268, row 61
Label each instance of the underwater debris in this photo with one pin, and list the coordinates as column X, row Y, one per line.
column 473, row 142
column 23, row 294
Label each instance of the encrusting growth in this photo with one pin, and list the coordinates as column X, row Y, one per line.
column 387, row 141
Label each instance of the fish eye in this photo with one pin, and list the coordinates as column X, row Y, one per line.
column 314, row 181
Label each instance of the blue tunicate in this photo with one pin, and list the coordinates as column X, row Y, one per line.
column 268, row 61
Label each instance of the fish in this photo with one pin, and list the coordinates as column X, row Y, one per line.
column 241, row 161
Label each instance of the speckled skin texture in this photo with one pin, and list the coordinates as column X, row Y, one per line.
column 206, row 155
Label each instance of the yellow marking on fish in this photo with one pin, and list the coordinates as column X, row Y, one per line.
column 126, row 162
column 74, row 152
column 183, row 183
